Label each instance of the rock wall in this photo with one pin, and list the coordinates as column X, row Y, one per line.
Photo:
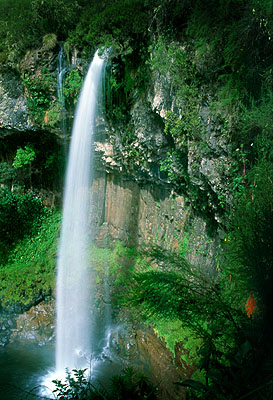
column 140, row 214
column 14, row 115
column 142, row 348
column 36, row 325
column 134, row 200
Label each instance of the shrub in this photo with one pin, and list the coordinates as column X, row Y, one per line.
column 20, row 214
column 23, row 157
column 49, row 41
column 129, row 385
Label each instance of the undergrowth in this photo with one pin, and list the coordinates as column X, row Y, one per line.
column 129, row 385
column 30, row 268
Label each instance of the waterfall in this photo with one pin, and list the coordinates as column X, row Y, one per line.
column 74, row 273
column 61, row 75
column 60, row 87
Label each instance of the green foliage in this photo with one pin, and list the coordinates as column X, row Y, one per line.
column 132, row 385
column 226, row 344
column 175, row 126
column 115, row 265
column 175, row 167
column 126, row 77
column 72, row 88
column 42, row 173
column 180, row 291
column 24, row 157
column 236, row 41
column 184, row 244
column 179, row 63
column 15, row 18
column 22, row 164
column 255, row 129
column 76, row 386
column 248, row 248
column 176, row 162
column 29, row 268
column 223, row 49
column 40, row 90
column 53, row 115
column 173, row 332
column 51, row 165
column 238, row 379
column 40, row 21
column 123, row 264
column 20, row 214
column 60, row 15
column 117, row 101
column 7, row 173
column 116, row 24
column 128, row 385
column 184, row 127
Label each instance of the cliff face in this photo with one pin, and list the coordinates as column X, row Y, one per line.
column 133, row 196
column 16, row 97
column 14, row 114
column 145, row 213
column 139, row 197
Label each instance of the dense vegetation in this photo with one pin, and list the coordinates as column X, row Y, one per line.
column 128, row 385
column 214, row 52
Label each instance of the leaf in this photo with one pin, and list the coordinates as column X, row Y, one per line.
column 214, row 374
column 245, row 348
column 196, row 385
column 250, row 305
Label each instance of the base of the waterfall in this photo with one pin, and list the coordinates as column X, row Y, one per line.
column 47, row 386
column 95, row 371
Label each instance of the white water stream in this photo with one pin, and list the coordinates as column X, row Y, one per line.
column 61, row 76
column 74, row 283
column 60, row 87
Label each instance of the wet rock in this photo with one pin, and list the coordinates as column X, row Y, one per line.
column 166, row 368
column 7, row 323
column 140, row 347
column 36, row 325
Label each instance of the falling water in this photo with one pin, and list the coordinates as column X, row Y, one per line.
column 61, row 75
column 60, row 87
column 74, row 283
